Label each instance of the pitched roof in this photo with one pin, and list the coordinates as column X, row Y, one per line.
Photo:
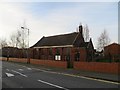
column 85, row 44
column 112, row 45
column 57, row 40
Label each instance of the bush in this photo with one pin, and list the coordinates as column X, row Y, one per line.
column 118, row 60
column 103, row 60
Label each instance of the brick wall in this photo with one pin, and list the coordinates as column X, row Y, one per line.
column 3, row 58
column 36, row 61
column 97, row 67
column 52, row 63
column 23, row 60
column 85, row 66
column 83, row 54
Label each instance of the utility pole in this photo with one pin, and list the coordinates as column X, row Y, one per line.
column 24, row 28
column 8, row 53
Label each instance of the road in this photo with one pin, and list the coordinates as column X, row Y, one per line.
column 15, row 75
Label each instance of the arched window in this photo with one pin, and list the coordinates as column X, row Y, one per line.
column 57, row 51
column 57, row 54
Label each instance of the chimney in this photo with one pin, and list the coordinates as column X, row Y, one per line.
column 80, row 29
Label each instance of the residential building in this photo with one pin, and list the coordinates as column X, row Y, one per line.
column 112, row 52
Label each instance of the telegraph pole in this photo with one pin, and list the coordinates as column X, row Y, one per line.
column 24, row 28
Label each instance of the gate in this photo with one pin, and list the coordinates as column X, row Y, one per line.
column 69, row 62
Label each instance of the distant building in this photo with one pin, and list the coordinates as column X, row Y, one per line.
column 14, row 52
column 112, row 52
column 66, row 47
column 9, row 51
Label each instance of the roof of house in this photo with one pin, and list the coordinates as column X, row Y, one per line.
column 65, row 40
column 112, row 45
column 9, row 47
column 57, row 40
column 85, row 44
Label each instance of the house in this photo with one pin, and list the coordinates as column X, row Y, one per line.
column 65, row 47
column 14, row 52
column 9, row 51
column 112, row 52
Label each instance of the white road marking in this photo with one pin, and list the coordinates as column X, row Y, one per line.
column 29, row 68
column 85, row 77
column 9, row 74
column 26, row 67
column 21, row 69
column 22, row 65
column 100, row 80
column 89, row 78
column 52, row 84
column 7, row 69
column 19, row 73
column 40, row 70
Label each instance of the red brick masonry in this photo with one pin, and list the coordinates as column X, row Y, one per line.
column 52, row 63
column 97, row 67
column 87, row 66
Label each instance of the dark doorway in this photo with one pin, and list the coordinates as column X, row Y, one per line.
column 69, row 62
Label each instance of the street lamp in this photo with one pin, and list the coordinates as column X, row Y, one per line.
column 28, row 61
column 8, row 53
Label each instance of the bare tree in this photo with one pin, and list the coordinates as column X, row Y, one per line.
column 86, row 33
column 103, row 40
column 3, row 42
column 13, row 40
column 19, row 39
column 18, row 36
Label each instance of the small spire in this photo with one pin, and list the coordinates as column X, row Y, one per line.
column 80, row 28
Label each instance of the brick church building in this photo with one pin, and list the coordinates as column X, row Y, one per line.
column 66, row 47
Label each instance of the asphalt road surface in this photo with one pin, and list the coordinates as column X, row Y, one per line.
column 15, row 75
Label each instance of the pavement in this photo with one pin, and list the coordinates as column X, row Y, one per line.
column 90, row 74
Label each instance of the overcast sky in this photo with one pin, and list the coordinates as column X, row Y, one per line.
column 53, row 18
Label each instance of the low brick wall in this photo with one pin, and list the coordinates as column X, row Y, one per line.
column 85, row 66
column 3, row 58
column 23, row 60
column 52, row 63
column 36, row 61
column 97, row 67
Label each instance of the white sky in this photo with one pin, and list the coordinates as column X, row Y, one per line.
column 46, row 19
